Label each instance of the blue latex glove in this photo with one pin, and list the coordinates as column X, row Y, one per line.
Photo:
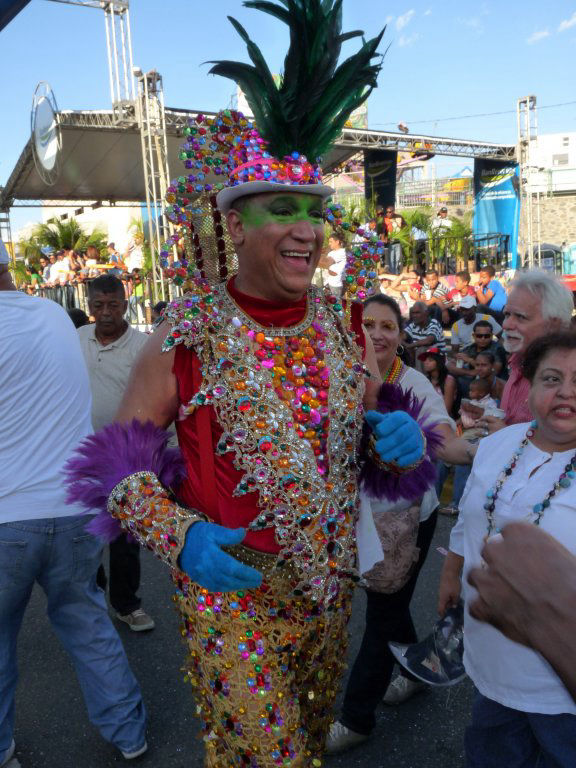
column 204, row 561
column 397, row 435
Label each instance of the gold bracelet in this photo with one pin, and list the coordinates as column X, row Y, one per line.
column 147, row 512
column 393, row 466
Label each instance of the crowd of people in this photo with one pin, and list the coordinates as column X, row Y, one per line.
column 475, row 377
column 64, row 276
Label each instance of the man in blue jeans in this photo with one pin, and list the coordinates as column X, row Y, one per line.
column 42, row 539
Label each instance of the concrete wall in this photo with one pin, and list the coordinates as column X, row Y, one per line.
column 558, row 219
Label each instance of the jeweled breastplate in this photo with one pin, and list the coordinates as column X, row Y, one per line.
column 289, row 403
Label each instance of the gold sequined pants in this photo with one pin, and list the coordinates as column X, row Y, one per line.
column 265, row 672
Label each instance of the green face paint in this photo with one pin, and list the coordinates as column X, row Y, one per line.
column 283, row 209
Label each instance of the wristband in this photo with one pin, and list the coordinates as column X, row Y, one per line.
column 149, row 514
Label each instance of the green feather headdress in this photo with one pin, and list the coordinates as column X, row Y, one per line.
column 307, row 111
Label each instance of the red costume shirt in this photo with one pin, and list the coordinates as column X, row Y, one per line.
column 199, row 447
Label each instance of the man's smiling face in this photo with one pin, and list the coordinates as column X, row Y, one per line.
column 278, row 239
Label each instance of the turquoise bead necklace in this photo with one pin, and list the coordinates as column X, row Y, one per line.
column 564, row 481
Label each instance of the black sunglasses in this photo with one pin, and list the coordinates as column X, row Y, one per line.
column 483, row 335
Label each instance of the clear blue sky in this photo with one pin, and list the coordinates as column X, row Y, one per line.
column 445, row 60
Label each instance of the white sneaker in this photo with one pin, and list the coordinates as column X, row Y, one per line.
column 136, row 753
column 9, row 761
column 340, row 739
column 138, row 620
column 401, row 689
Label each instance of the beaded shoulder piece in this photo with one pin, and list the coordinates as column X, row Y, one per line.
column 289, row 401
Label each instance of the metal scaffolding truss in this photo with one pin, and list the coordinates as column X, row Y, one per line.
column 151, row 118
column 119, row 47
column 366, row 139
column 358, row 139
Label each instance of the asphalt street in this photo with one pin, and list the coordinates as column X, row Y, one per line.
column 52, row 729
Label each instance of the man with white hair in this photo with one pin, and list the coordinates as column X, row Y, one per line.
column 537, row 304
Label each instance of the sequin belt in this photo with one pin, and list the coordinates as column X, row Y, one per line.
column 281, row 575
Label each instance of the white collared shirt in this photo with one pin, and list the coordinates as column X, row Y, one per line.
column 501, row 669
column 109, row 368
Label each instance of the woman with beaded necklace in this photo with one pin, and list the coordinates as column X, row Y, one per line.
column 523, row 716
column 388, row 610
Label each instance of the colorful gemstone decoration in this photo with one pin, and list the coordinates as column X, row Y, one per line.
column 538, row 510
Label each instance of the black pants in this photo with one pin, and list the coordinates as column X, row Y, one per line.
column 387, row 618
column 124, row 575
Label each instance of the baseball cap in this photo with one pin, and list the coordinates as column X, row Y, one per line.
column 443, row 209
column 430, row 351
column 4, row 256
column 468, row 302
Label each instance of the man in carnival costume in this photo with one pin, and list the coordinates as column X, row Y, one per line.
column 265, row 376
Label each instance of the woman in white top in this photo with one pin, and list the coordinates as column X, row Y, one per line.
column 523, row 715
column 388, row 614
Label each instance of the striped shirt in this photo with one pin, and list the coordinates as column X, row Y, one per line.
column 417, row 333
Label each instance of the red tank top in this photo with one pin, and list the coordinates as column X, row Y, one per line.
column 228, row 510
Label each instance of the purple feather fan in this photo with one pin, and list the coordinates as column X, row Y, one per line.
column 105, row 458
column 380, row 484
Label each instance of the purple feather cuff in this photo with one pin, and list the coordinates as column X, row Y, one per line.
column 391, row 486
column 105, row 458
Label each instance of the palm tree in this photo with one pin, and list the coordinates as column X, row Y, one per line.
column 67, row 235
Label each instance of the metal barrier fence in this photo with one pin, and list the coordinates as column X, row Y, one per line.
column 457, row 192
column 449, row 254
column 139, row 296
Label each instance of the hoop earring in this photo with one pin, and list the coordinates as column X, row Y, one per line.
column 400, row 350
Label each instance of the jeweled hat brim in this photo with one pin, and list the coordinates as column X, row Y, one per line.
column 227, row 196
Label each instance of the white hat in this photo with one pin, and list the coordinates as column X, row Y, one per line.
column 4, row 255
column 226, row 197
column 468, row 302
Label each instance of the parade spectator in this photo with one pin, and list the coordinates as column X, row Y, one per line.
column 114, row 258
column 134, row 256
column 388, row 594
column 393, row 223
column 538, row 304
column 78, row 317
column 92, row 262
column 61, row 271
column 482, row 341
column 333, row 264
column 158, row 310
column 441, row 224
column 76, row 264
column 134, row 286
column 435, row 370
column 34, row 279
column 433, row 293
column 472, row 409
column 45, row 269
column 527, row 589
column 110, row 347
column 485, row 368
column 470, row 425
column 452, row 301
column 422, row 330
column 463, row 329
column 490, row 293
column 52, row 269
column 522, row 714
column 42, row 539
